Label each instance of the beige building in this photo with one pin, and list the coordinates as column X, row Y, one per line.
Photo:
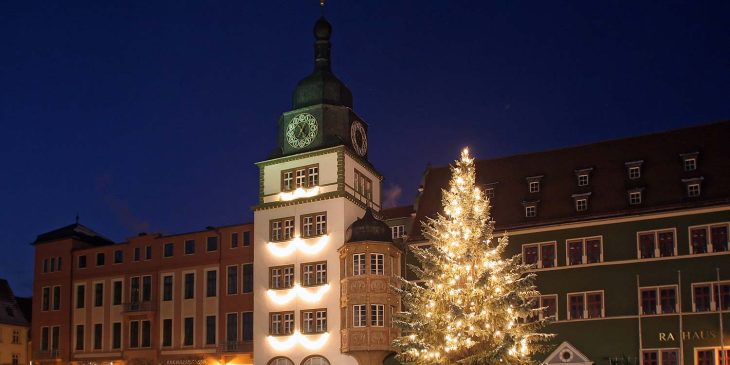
column 14, row 328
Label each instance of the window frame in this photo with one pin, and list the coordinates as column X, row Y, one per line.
column 314, row 273
column 281, row 328
column 359, row 315
column 282, row 276
column 282, row 229
column 304, row 312
column 315, row 225
column 539, row 246
column 584, row 243
column 585, row 294
column 657, row 243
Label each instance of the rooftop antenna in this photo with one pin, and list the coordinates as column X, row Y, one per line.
column 77, row 217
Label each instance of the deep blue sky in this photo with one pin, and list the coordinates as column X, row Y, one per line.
column 149, row 115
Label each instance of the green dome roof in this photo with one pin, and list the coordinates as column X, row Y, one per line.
column 321, row 86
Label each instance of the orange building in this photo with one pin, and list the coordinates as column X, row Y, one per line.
column 183, row 299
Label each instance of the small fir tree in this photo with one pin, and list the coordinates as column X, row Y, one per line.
column 470, row 305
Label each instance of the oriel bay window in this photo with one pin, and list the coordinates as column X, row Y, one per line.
column 314, row 321
column 281, row 323
column 377, row 264
column 281, row 229
column 542, row 255
column 584, row 251
column 300, row 177
column 314, row 273
column 281, row 277
column 314, row 224
column 359, row 315
column 358, row 264
column 377, row 315
column 585, row 305
column 659, row 243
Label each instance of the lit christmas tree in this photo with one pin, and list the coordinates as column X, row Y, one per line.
column 470, row 305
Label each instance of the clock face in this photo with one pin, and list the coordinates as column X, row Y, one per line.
column 301, row 130
column 359, row 138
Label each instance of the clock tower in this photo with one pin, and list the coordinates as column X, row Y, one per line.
column 313, row 188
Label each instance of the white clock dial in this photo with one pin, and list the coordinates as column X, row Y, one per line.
column 359, row 138
column 301, row 130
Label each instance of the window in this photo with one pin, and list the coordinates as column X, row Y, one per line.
column 711, row 296
column 211, row 279
column 584, row 251
column 98, row 294
column 377, row 264
column 635, row 197
column 585, row 305
column 581, row 205
column 118, row 256
column 189, row 247
column 133, row 334
column 247, row 273
column 116, row 335
column 281, row 323
column 98, row 330
column 314, row 273
column 246, row 238
column 82, row 262
column 489, row 192
column 188, row 331
column 56, row 305
column 16, row 337
column 15, row 358
column 531, row 211
column 281, row 229
column 53, row 264
column 146, row 334
column 698, row 240
column 314, row 321
column 100, row 259
column 280, row 361
column 134, row 289
column 234, row 239
column 693, row 190
column 45, row 265
column 314, row 224
column 210, row 332
column 658, row 300
column 634, row 169
column 79, row 337
column 80, row 296
column 55, row 337
column 212, row 244
column 167, row 288
column 660, row 357
column 363, row 185
column 167, row 332
column 397, row 231
column 231, row 329
column 189, row 285
column 301, row 177
column 281, row 277
column 648, row 247
column 534, row 186
column 168, row 249
column 358, row 264
column 59, row 264
column 583, row 180
column 232, row 280
column 136, row 254
column 117, row 292
column 46, row 300
column 377, row 315
column 550, row 303
column 148, row 253
column 542, row 255
column 44, row 339
column 690, row 164
column 359, row 315
column 247, row 323
column 719, row 237
column 705, row 357
column 146, row 288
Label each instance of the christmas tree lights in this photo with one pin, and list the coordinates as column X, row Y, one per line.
column 470, row 305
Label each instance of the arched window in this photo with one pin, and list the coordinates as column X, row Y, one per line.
column 280, row 361
column 315, row 360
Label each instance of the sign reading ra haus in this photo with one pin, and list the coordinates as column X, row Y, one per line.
column 688, row 335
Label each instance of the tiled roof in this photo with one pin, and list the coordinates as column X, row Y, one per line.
column 10, row 312
column 397, row 212
column 77, row 231
column 662, row 182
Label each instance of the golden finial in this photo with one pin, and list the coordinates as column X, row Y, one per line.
column 321, row 2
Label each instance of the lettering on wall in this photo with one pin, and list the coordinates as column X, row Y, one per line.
column 688, row 335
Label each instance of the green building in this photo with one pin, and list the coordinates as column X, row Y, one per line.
column 629, row 239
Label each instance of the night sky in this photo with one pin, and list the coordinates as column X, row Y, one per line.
column 148, row 116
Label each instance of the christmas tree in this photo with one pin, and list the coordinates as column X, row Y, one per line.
column 470, row 305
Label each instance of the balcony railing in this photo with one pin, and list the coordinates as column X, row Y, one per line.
column 138, row 307
column 243, row 346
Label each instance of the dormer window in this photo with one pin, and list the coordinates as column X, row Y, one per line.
column 533, row 184
column 636, row 196
column 583, row 176
column 489, row 190
column 693, row 186
column 581, row 202
column 689, row 161
column 530, row 209
column 634, row 169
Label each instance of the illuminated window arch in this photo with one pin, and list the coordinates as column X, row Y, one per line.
column 315, row 360
column 280, row 361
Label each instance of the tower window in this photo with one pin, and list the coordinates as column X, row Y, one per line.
column 300, row 177
column 363, row 185
column 314, row 224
